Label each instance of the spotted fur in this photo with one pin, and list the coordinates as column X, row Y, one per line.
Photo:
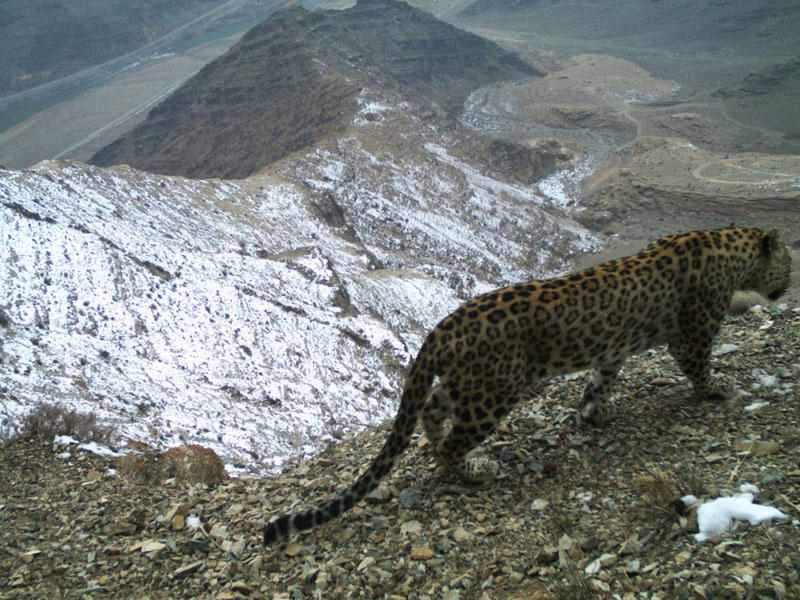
column 479, row 360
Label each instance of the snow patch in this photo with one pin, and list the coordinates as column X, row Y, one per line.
column 92, row 447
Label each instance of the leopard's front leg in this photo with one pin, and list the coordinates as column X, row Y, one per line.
column 595, row 407
column 691, row 349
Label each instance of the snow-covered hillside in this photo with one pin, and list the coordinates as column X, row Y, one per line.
column 260, row 317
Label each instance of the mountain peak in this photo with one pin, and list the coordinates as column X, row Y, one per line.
column 293, row 80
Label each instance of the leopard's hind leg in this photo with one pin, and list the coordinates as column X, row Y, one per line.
column 474, row 419
column 437, row 414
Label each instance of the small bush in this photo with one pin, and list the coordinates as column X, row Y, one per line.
column 48, row 420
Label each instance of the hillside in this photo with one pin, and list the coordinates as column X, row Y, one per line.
column 576, row 513
column 293, row 80
column 263, row 316
column 661, row 34
column 701, row 46
column 41, row 41
column 355, row 245
column 760, row 95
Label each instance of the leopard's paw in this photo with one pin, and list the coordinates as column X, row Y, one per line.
column 480, row 469
column 597, row 413
column 722, row 387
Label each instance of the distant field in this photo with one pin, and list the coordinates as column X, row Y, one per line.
column 78, row 127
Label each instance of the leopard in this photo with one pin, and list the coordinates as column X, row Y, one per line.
column 478, row 362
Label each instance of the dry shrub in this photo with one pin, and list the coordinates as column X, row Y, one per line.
column 661, row 491
column 49, row 420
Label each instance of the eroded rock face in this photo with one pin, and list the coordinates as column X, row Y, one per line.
column 194, row 463
column 293, row 80
column 191, row 463
column 262, row 100
column 523, row 163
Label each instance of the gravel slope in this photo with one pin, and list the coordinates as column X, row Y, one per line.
column 576, row 513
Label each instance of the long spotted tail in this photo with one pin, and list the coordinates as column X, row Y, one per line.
column 416, row 389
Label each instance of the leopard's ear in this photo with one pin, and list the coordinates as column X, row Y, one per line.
column 770, row 243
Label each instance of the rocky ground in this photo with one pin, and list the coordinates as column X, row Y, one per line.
column 576, row 512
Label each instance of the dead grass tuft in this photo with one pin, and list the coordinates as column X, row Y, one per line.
column 575, row 586
column 661, row 490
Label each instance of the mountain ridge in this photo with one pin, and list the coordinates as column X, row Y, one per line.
column 292, row 80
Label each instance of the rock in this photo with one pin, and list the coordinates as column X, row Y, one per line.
column 547, row 555
column 187, row 570
column 633, row 566
column 630, row 546
column 715, row 457
column 408, row 498
column 238, row 547
column 736, row 590
column 569, row 551
column 608, row 559
column 29, row 555
column 152, row 547
column 293, row 549
column 413, row 528
column 219, row 531
column 599, row 563
column 181, row 510
column 745, row 573
column 191, row 464
column 242, row 588
column 122, row 527
column 421, row 553
column 178, row 522
column 461, row 535
column 366, row 563
column 380, row 494
column 194, row 464
column 593, row 568
column 757, row 447
column 539, row 504
column 322, row 579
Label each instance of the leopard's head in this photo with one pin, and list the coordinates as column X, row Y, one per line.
column 771, row 279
